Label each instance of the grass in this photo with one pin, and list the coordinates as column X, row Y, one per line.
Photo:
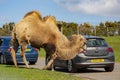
column 42, row 52
column 12, row 73
column 114, row 42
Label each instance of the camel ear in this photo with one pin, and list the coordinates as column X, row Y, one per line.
column 81, row 39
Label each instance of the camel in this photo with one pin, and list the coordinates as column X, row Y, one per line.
column 44, row 33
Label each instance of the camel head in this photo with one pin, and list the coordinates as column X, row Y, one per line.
column 83, row 46
column 80, row 41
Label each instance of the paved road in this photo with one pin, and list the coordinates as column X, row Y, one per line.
column 99, row 74
column 94, row 74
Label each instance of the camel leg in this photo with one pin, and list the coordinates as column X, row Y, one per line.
column 14, row 56
column 25, row 61
column 22, row 53
column 53, row 66
column 50, row 62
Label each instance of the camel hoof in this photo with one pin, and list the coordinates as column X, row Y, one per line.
column 44, row 68
column 28, row 67
column 16, row 66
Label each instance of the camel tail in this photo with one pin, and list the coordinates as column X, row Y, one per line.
column 14, row 47
column 14, row 41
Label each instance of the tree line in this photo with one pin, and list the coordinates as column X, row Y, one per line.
column 68, row 28
column 103, row 29
column 6, row 29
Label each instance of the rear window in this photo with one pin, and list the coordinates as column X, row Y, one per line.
column 6, row 42
column 96, row 43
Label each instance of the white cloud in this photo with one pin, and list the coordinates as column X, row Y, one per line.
column 92, row 7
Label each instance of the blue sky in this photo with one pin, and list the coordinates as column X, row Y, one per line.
column 79, row 11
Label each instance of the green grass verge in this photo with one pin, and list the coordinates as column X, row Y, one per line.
column 42, row 52
column 114, row 42
column 11, row 73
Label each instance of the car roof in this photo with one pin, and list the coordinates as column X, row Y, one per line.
column 92, row 37
column 5, row 37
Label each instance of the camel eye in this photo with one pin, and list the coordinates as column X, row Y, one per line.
column 81, row 39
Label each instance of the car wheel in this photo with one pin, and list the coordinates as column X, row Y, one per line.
column 71, row 67
column 109, row 69
column 3, row 59
column 31, row 62
column 47, row 59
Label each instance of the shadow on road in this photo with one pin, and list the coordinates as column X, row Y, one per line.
column 89, row 70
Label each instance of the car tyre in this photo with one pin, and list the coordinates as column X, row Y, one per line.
column 47, row 60
column 32, row 62
column 3, row 59
column 71, row 67
column 109, row 69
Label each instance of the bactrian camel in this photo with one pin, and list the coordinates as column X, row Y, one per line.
column 43, row 32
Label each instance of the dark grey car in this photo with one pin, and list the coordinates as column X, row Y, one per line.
column 98, row 55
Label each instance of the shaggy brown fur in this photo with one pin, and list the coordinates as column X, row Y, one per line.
column 44, row 33
column 35, row 13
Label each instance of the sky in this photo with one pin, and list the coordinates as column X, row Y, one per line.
column 78, row 11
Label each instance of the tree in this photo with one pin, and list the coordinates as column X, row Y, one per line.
column 102, row 29
column 97, row 30
column 119, row 28
column 6, row 29
column 11, row 25
column 111, row 28
column 67, row 28
column 115, row 28
column 86, row 29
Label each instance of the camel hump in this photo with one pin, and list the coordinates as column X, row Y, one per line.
column 34, row 12
column 49, row 18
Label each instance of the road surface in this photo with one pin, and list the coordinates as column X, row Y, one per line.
column 92, row 74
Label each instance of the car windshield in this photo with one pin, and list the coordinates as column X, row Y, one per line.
column 96, row 43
